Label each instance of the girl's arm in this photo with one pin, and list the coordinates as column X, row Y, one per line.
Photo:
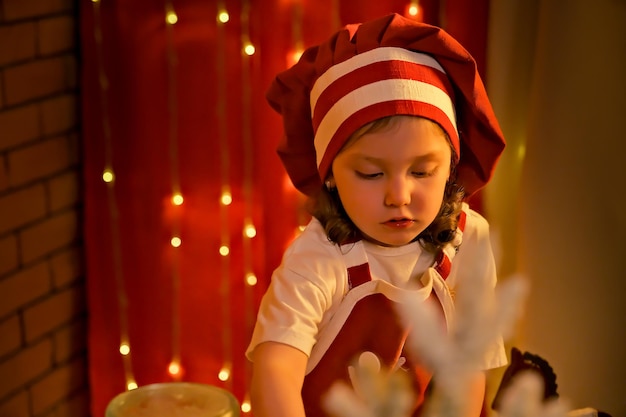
column 277, row 377
column 476, row 395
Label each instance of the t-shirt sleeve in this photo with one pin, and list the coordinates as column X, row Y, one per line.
column 301, row 292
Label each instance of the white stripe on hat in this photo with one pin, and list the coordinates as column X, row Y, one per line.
column 367, row 58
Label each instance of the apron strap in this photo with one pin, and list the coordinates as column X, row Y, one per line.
column 443, row 261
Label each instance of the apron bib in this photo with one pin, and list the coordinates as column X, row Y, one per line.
column 366, row 321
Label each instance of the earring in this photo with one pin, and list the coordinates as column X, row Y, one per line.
column 329, row 185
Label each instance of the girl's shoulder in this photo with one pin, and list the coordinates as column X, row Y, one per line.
column 313, row 258
column 312, row 244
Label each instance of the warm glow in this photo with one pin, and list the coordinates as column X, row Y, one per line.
column 413, row 9
column 174, row 368
column 223, row 17
column 249, row 49
column 176, row 241
column 224, row 374
column 107, row 175
column 177, row 199
column 294, row 57
column 245, row 406
column 250, row 231
column 124, row 349
column 301, row 228
column 251, row 279
column 94, row 1
column 171, row 18
column 131, row 385
column 224, row 250
column 521, row 151
column 227, row 198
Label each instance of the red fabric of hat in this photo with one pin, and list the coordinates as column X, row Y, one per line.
column 480, row 137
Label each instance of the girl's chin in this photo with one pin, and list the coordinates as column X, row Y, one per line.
column 399, row 241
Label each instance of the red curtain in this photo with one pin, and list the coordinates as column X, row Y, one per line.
column 179, row 107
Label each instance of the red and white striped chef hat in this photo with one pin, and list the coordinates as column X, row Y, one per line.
column 389, row 66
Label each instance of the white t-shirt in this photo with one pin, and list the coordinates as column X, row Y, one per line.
column 312, row 280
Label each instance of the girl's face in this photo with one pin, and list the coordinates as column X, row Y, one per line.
column 391, row 182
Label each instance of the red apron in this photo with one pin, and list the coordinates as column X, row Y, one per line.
column 367, row 320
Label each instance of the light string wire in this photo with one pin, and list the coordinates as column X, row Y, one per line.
column 172, row 65
column 226, row 199
column 297, row 12
column 335, row 14
column 109, row 178
column 249, row 231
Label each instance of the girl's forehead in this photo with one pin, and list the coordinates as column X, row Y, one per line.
column 402, row 138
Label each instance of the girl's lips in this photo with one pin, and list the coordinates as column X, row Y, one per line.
column 399, row 223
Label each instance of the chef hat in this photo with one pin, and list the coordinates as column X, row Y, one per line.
column 388, row 66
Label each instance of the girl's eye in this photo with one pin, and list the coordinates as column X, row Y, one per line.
column 424, row 173
column 368, row 176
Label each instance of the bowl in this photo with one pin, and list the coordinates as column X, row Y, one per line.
column 174, row 399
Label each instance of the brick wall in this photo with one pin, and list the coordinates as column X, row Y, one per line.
column 43, row 368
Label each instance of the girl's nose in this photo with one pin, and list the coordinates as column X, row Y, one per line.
column 398, row 192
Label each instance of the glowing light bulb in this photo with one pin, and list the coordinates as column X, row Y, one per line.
column 249, row 49
column 107, row 175
column 413, row 9
column 296, row 55
column 223, row 17
column 176, row 241
column 227, row 198
column 177, row 199
column 224, row 374
column 124, row 349
column 246, row 407
column 251, row 279
column 94, row 1
column 131, row 385
column 171, row 18
column 250, row 231
column 224, row 250
column 174, row 368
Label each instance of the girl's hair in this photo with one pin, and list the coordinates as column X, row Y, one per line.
column 327, row 207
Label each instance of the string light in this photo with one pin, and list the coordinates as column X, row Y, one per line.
column 124, row 349
column 249, row 231
column 413, row 9
column 296, row 33
column 224, row 374
column 248, row 174
column 249, row 49
column 245, row 406
column 177, row 199
column 171, row 17
column 226, row 198
column 223, row 17
column 174, row 368
column 251, row 279
column 108, row 176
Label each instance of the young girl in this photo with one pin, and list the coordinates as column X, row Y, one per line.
column 387, row 129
